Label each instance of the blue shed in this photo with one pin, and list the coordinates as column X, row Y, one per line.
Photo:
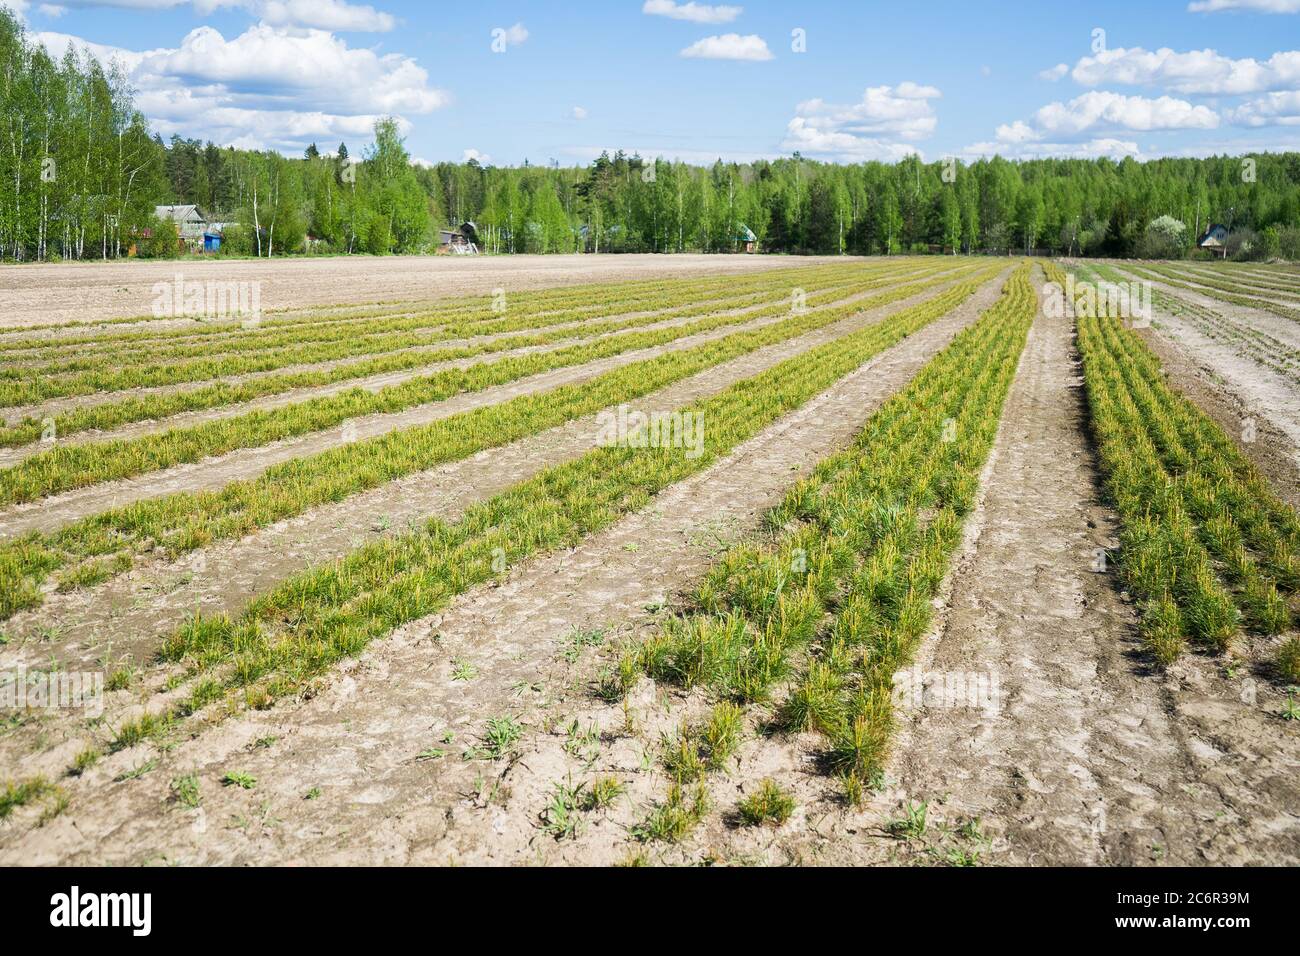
column 211, row 242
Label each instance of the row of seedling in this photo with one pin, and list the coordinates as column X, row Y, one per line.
column 815, row 618
column 1204, row 543
column 290, row 635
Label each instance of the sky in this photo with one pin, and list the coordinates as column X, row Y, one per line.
column 558, row 82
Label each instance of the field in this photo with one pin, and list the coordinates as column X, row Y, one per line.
column 653, row 560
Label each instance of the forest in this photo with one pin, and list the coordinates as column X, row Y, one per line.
column 81, row 173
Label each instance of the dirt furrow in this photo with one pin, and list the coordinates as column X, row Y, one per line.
column 55, row 406
column 367, row 744
column 51, row 513
column 1236, row 391
column 1243, row 285
column 125, row 616
column 1282, row 329
column 1082, row 756
column 43, row 294
column 372, row 383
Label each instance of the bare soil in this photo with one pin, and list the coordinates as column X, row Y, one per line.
column 1092, row 757
column 1086, row 755
column 124, row 617
column 1232, row 388
column 53, row 512
column 45, row 293
column 360, row 740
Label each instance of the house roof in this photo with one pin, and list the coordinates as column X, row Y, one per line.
column 1214, row 235
column 181, row 213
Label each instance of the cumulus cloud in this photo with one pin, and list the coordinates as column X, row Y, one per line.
column 1195, row 71
column 579, row 112
column 879, row 126
column 318, row 14
column 1274, row 109
column 1099, row 110
column 694, row 12
column 325, row 15
column 481, row 158
column 1087, row 126
column 1054, row 73
column 1263, row 6
column 269, row 87
column 729, row 46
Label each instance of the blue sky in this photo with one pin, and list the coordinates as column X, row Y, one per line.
column 696, row 81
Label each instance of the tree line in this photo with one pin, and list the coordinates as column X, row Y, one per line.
column 81, row 174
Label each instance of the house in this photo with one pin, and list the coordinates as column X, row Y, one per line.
column 745, row 236
column 462, row 241
column 1216, row 237
column 191, row 224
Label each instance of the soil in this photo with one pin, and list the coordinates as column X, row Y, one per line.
column 46, row 293
column 1085, row 754
column 359, row 740
column 1232, row 388
column 124, row 617
column 50, row 513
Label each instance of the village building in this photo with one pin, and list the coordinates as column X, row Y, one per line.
column 461, row 241
column 746, row 239
column 1215, row 239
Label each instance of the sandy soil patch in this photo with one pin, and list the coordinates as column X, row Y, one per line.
column 360, row 740
column 46, row 293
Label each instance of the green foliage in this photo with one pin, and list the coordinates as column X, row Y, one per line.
column 1204, row 542
column 383, row 204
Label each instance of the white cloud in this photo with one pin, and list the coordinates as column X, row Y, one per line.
column 729, row 46
column 699, row 157
column 1274, row 109
column 318, row 14
column 482, row 158
column 1078, row 128
column 1017, row 132
column 579, row 112
column 1055, row 73
column 1105, row 110
column 879, row 126
column 1091, row 149
column 268, row 87
column 1263, row 6
column 325, row 15
column 694, row 12
column 1196, row 71
column 305, row 67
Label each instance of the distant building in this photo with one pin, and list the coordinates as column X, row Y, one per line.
column 191, row 224
column 1216, row 237
column 745, row 237
column 462, row 241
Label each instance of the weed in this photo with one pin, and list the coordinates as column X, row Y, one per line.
column 237, row 778
column 768, row 804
